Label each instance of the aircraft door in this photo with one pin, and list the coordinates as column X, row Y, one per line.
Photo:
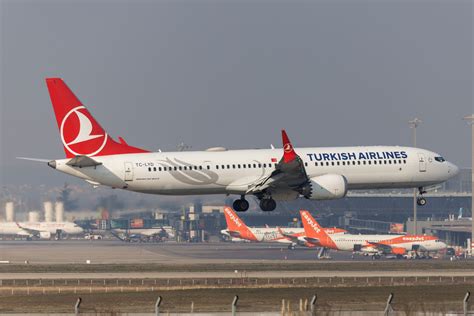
column 422, row 162
column 128, row 171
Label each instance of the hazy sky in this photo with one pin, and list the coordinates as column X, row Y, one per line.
column 233, row 73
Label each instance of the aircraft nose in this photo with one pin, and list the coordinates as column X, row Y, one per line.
column 453, row 170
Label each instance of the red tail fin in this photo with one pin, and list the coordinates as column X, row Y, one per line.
column 235, row 224
column 288, row 151
column 80, row 133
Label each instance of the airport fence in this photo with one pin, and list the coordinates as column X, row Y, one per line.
column 306, row 307
column 38, row 286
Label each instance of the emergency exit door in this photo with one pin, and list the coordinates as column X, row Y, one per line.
column 128, row 171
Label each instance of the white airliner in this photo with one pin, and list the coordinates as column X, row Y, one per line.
column 316, row 173
column 42, row 230
column 368, row 244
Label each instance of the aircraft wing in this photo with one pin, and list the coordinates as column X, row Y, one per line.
column 234, row 234
column 290, row 237
column 28, row 231
column 386, row 249
column 312, row 240
column 289, row 173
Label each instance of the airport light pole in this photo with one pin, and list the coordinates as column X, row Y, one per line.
column 470, row 120
column 414, row 124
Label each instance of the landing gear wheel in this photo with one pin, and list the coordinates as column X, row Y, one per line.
column 240, row 205
column 267, row 205
column 421, row 201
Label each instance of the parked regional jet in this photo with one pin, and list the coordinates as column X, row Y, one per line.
column 315, row 173
column 369, row 244
column 293, row 236
column 42, row 230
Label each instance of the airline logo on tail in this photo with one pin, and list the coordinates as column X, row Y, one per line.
column 81, row 134
column 233, row 217
column 314, row 231
column 310, row 221
column 77, row 128
column 236, row 227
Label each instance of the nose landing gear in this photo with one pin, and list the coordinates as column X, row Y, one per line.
column 421, row 201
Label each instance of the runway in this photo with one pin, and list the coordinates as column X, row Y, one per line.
column 111, row 251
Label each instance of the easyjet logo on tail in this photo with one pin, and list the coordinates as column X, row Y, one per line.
column 230, row 214
column 310, row 221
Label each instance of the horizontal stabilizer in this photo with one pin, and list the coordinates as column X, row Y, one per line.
column 34, row 159
column 82, row 162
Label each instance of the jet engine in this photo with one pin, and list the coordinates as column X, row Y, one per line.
column 326, row 187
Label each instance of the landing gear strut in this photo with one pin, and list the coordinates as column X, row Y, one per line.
column 267, row 204
column 421, row 201
column 241, row 205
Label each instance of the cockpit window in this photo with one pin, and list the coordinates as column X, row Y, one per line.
column 440, row 159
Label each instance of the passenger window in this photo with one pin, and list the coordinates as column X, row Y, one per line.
column 228, row 166
column 364, row 162
column 327, row 163
column 223, row 166
column 175, row 168
column 208, row 167
column 260, row 165
column 385, row 162
column 306, row 164
column 254, row 165
column 404, row 161
column 353, row 163
column 395, row 162
column 390, row 162
column 249, row 165
column 370, row 162
column 375, row 162
column 180, row 168
column 244, row 166
column 332, row 163
column 154, row 168
column 316, row 164
column 217, row 167
column 264, row 165
column 400, row 162
column 159, row 168
column 238, row 166
column 149, row 168
column 338, row 163
column 358, row 162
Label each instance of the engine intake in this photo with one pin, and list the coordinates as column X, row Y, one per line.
column 327, row 187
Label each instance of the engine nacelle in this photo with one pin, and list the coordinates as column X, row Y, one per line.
column 327, row 187
column 44, row 235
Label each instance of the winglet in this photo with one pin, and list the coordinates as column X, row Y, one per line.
column 288, row 152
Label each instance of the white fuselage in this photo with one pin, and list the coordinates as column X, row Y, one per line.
column 234, row 171
column 26, row 228
column 347, row 242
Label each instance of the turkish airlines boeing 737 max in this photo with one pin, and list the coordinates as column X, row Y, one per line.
column 314, row 173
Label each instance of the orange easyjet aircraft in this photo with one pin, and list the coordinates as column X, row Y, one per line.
column 369, row 244
column 236, row 228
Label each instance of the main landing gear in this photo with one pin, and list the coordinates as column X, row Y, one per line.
column 267, row 204
column 421, row 201
column 241, row 205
